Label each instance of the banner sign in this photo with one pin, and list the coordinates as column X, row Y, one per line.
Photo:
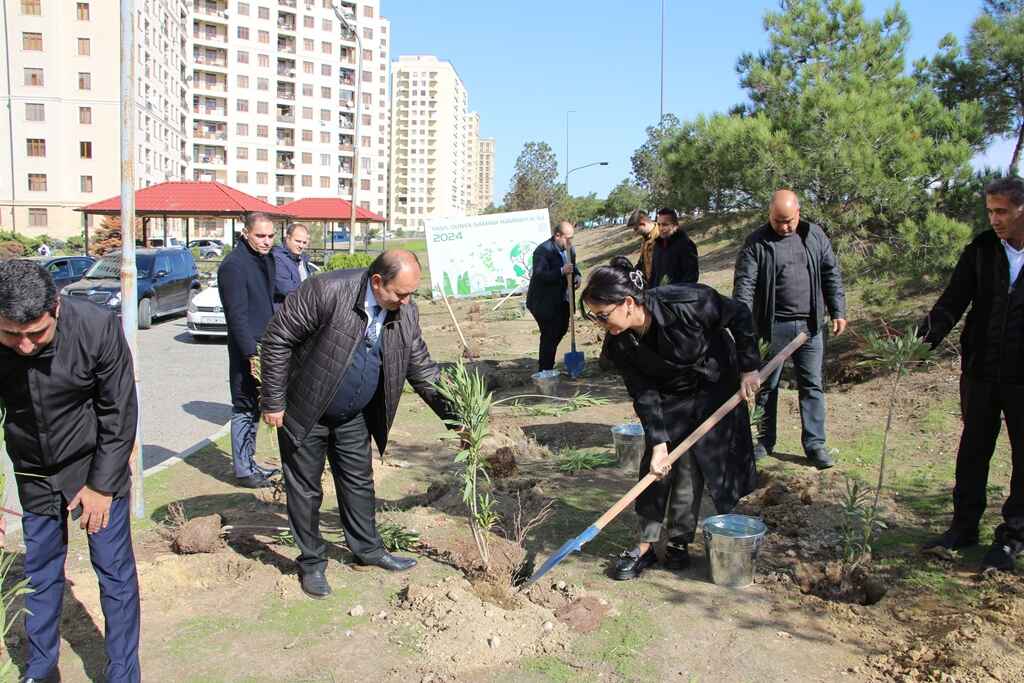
column 484, row 255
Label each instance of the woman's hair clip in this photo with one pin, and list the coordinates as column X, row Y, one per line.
column 637, row 278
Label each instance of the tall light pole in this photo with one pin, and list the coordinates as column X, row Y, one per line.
column 571, row 111
column 661, row 112
column 573, row 170
column 10, row 116
column 349, row 24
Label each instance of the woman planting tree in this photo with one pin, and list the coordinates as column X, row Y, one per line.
column 673, row 348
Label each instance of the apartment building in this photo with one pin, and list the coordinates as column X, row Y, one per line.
column 63, row 106
column 273, row 105
column 484, row 177
column 432, row 132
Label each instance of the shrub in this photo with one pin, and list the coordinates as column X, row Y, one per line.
column 347, row 261
column 11, row 249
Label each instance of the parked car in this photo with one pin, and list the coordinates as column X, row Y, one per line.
column 167, row 279
column 64, row 269
column 157, row 242
column 208, row 248
column 206, row 314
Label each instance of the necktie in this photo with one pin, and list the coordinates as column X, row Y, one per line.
column 372, row 331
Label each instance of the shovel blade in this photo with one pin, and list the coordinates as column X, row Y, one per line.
column 574, row 363
column 567, row 547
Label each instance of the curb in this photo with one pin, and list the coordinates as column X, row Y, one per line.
column 188, row 452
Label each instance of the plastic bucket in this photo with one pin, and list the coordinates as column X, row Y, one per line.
column 629, row 444
column 547, row 382
column 731, row 545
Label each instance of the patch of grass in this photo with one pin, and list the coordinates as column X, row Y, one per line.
column 620, row 644
column 552, row 668
column 295, row 618
column 396, row 537
column 194, row 634
column 408, row 638
column 557, row 409
column 575, row 460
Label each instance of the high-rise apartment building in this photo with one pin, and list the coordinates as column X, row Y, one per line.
column 274, row 98
column 484, row 178
column 62, row 125
column 431, row 150
column 259, row 94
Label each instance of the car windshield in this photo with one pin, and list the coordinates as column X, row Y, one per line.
column 110, row 267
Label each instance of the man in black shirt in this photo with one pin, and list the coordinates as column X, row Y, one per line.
column 67, row 384
column 789, row 277
column 674, row 255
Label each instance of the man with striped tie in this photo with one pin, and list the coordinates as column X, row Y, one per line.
column 334, row 360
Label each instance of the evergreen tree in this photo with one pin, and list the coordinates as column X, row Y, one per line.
column 534, row 183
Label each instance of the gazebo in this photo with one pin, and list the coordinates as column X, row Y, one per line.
column 188, row 200
column 326, row 210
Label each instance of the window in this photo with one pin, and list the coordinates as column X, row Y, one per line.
column 36, row 147
column 86, row 183
column 79, row 266
column 84, row 48
column 367, row 11
column 32, row 41
column 264, row 12
column 243, row 81
column 307, row 157
column 264, row 61
column 325, row 159
column 85, row 115
column 307, row 90
column 37, row 218
column 35, row 112
column 243, row 8
column 37, row 182
column 242, row 176
column 325, row 114
column 264, row 37
column 83, row 11
column 32, row 7
column 366, row 119
column 261, row 154
column 368, row 33
column 364, row 184
column 325, row 47
column 367, row 76
column 367, row 98
column 326, row 24
column 325, row 137
column 308, row 21
column 262, row 131
column 242, row 105
column 85, row 149
column 262, row 108
column 307, row 67
column 307, row 113
column 308, row 44
column 243, row 32
column 325, row 181
column 263, row 84
column 261, row 178
column 84, row 80
column 242, row 128
column 325, row 69
column 243, row 57
column 325, row 92
column 307, row 136
column 33, row 76
column 307, row 181
column 242, row 153
column 367, row 55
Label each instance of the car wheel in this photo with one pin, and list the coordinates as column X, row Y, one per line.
column 145, row 314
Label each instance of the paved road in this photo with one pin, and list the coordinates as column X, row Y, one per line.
column 185, row 395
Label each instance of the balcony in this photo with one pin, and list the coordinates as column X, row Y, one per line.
column 219, row 59
column 345, row 168
column 286, row 91
column 210, row 111
column 285, row 114
column 210, row 34
column 345, row 147
column 286, row 3
column 285, row 137
column 346, row 121
column 286, row 22
column 285, row 161
column 286, row 45
column 285, row 72
column 209, row 132
column 214, row 10
column 210, row 85
column 285, row 184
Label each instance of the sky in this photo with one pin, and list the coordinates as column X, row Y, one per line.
column 526, row 63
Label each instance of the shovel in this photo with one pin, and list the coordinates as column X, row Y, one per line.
column 574, row 360
column 594, row 529
column 467, row 352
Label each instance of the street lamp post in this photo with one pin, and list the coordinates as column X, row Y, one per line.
column 348, row 24
column 571, row 170
column 571, row 111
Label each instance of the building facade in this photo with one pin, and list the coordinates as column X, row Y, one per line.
column 258, row 94
column 484, row 178
column 433, row 136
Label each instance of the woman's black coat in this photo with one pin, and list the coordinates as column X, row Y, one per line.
column 703, row 341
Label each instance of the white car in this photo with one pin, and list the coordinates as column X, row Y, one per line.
column 206, row 314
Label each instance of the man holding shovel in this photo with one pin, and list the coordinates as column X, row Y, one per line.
column 548, row 297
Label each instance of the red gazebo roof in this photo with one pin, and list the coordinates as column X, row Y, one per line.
column 188, row 198
column 328, row 209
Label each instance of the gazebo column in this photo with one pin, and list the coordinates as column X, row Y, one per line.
column 188, row 224
column 85, row 231
column 166, row 243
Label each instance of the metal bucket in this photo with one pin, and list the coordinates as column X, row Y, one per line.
column 731, row 545
column 547, row 382
column 629, row 444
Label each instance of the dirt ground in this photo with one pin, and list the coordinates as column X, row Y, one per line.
column 237, row 614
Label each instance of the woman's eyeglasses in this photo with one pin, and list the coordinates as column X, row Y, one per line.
column 602, row 318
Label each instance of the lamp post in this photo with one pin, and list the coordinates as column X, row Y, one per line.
column 573, row 170
column 661, row 111
column 571, row 111
column 348, row 24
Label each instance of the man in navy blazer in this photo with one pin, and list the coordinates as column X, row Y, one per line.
column 245, row 281
column 291, row 263
column 548, row 296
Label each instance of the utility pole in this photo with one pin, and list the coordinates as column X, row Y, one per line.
column 349, row 24
column 10, row 115
column 661, row 111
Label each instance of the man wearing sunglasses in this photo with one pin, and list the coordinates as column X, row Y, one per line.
column 334, row 360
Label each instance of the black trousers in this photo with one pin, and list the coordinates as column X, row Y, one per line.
column 552, row 330
column 983, row 405
column 347, row 447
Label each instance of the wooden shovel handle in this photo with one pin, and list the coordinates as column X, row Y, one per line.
column 570, row 279
column 452, row 314
column 700, row 431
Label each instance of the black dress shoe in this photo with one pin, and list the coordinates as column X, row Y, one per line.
column 820, row 458
column 314, row 584
column 254, row 481
column 999, row 557
column 953, row 539
column 677, row 556
column 52, row 677
column 632, row 564
column 392, row 563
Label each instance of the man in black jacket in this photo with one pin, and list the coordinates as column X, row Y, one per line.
column 548, row 295
column 245, row 281
column 67, row 385
column 335, row 359
column 291, row 263
column 674, row 257
column 987, row 278
column 788, row 275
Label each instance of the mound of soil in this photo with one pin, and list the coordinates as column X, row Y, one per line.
column 464, row 632
column 833, row 581
column 502, row 463
column 199, row 535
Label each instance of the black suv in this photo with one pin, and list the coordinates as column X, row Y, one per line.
column 167, row 280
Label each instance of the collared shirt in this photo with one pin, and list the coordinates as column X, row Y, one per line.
column 564, row 253
column 1016, row 259
column 303, row 271
column 375, row 321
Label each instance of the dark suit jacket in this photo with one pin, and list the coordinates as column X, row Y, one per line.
column 674, row 261
column 245, row 281
column 547, row 283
